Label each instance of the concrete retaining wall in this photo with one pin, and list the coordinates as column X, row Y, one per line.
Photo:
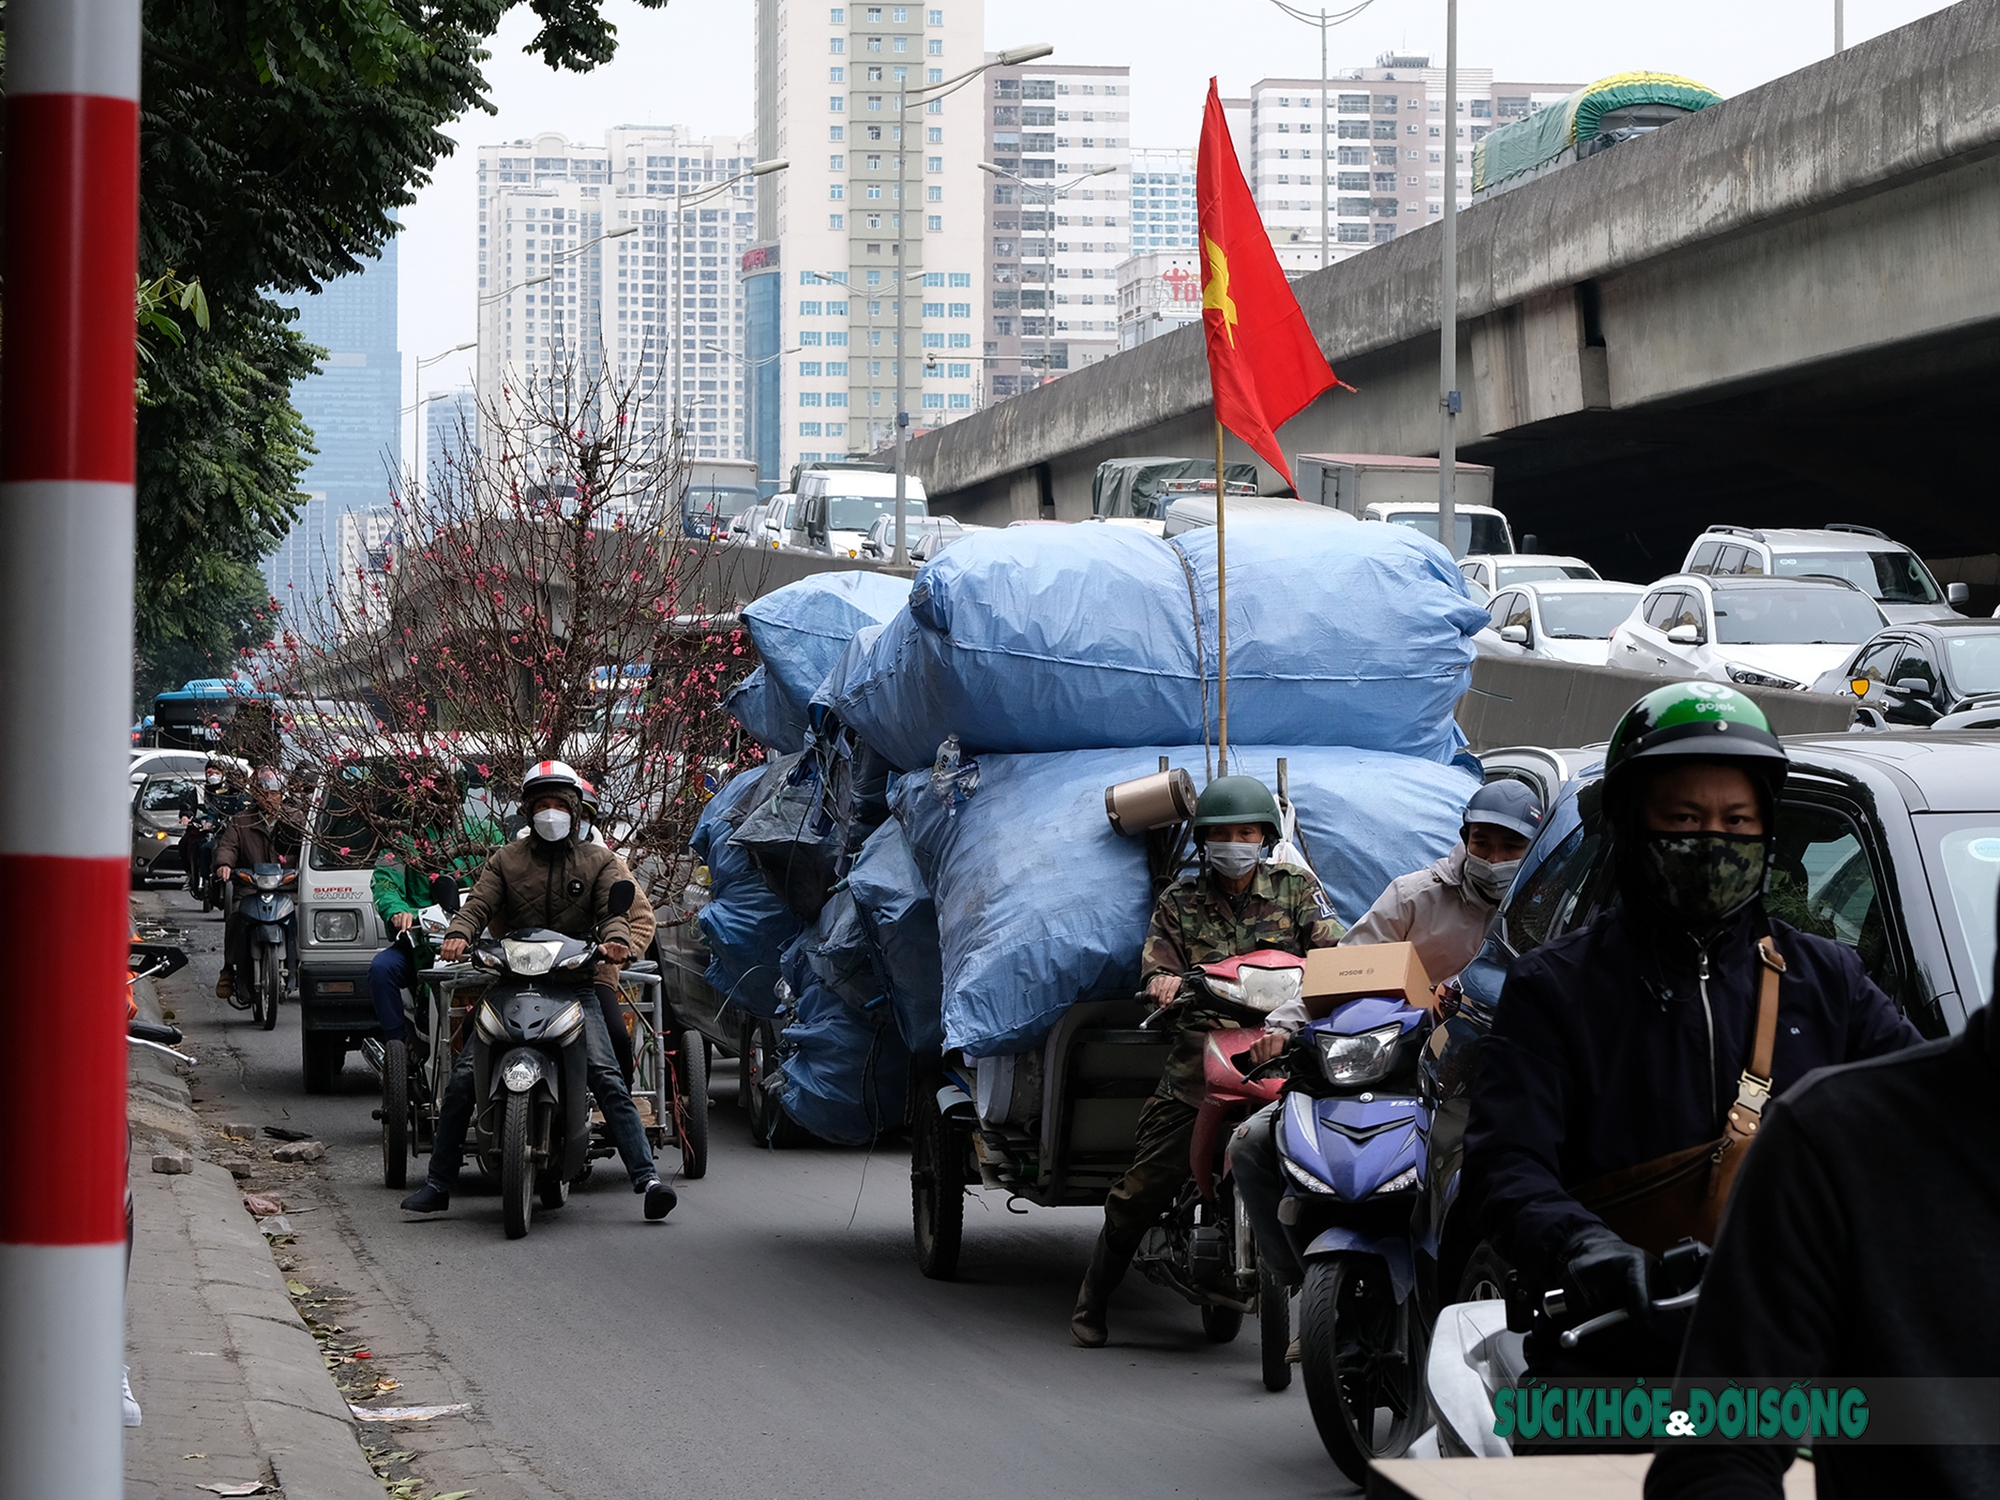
column 1523, row 701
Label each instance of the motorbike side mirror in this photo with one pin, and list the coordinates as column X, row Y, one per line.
column 620, row 900
column 444, row 891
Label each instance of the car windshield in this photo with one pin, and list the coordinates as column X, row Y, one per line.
column 1585, row 617
column 859, row 512
column 1793, row 617
column 720, row 502
column 1963, row 853
column 166, row 794
column 1540, row 572
column 1476, row 533
column 1893, row 577
column 1973, row 663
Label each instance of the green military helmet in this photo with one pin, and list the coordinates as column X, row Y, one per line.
column 1708, row 721
column 1237, row 799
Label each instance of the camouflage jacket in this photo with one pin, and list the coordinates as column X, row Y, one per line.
column 1196, row 922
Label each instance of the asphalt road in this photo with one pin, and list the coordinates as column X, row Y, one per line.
column 773, row 1338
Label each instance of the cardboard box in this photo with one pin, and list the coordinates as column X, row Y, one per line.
column 1350, row 972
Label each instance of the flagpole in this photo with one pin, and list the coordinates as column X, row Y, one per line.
column 1221, row 608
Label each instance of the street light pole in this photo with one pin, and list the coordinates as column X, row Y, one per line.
column 417, row 379
column 1448, row 399
column 1052, row 193
column 1325, row 20
column 750, row 368
column 1839, row 25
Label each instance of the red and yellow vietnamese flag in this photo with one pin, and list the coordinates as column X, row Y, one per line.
column 1264, row 364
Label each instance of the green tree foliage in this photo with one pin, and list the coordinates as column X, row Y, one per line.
column 277, row 139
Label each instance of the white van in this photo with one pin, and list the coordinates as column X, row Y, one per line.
column 837, row 506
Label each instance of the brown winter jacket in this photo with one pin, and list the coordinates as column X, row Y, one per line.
column 532, row 883
column 245, row 842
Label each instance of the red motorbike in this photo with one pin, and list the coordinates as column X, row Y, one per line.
column 1202, row 1247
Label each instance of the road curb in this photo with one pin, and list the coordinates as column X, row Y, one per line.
column 300, row 1420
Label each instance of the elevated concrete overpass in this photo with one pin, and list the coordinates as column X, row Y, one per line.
column 1781, row 311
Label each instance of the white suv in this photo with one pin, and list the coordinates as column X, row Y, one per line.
column 1881, row 567
column 1760, row 632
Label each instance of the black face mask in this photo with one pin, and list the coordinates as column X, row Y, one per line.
column 1703, row 878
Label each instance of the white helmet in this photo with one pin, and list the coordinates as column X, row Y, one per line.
column 546, row 776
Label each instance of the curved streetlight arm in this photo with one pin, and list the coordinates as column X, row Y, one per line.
column 609, row 234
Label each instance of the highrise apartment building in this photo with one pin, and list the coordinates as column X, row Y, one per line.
column 1384, row 156
column 822, row 280
column 1055, row 235
column 621, row 257
column 352, row 405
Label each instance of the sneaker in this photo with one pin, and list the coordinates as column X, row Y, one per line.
column 224, row 983
column 428, row 1199
column 660, row 1199
column 1294, row 1353
column 132, row 1417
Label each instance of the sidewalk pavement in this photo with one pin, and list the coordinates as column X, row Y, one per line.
column 233, row 1388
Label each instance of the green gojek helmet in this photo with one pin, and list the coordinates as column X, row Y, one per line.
column 1707, row 721
column 1237, row 799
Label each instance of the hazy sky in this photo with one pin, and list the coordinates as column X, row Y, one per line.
column 691, row 64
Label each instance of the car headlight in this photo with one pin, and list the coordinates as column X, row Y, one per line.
column 519, row 1075
column 527, row 958
column 336, row 926
column 1751, row 678
column 490, row 1025
column 1350, row 1060
column 1306, row 1179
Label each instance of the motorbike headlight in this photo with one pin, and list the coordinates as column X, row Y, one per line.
column 1350, row 1060
column 336, row 926
column 519, row 1075
column 490, row 1025
column 1407, row 1178
column 267, row 882
column 528, row 959
column 1305, row 1179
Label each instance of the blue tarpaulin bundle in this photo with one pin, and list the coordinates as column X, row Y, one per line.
column 1041, row 904
column 745, row 924
column 846, row 1075
column 801, row 629
column 901, row 921
column 1038, row 639
column 766, row 714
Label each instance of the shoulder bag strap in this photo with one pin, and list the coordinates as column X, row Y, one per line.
column 1753, row 1088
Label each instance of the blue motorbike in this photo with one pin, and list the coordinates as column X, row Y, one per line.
column 1352, row 1143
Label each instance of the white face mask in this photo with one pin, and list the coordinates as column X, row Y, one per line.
column 1490, row 880
column 1234, row 860
column 552, row 823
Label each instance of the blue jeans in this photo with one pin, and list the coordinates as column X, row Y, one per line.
column 390, row 973
column 621, row 1116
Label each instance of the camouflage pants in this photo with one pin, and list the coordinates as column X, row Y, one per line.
column 1159, row 1167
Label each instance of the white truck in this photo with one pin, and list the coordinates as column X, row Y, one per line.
column 1403, row 492
column 837, row 506
column 717, row 491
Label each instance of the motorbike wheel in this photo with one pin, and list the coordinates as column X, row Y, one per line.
column 937, row 1190
column 1361, row 1362
column 1220, row 1325
column 1274, row 1329
column 552, row 1191
column 517, row 1168
column 321, row 1056
column 770, row 1126
column 395, row 1114
column 271, row 989
column 691, row 1083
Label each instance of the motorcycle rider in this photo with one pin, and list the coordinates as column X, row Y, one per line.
column 1236, row 904
column 222, row 798
column 1615, row 1048
column 546, row 880
column 643, row 923
column 1444, row 910
column 267, row 833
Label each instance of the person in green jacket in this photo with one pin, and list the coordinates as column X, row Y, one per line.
column 402, row 889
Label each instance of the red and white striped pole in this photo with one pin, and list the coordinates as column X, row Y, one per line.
column 66, row 539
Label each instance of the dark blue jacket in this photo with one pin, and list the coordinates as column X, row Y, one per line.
column 1600, row 1059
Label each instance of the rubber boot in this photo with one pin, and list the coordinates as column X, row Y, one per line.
column 1107, row 1268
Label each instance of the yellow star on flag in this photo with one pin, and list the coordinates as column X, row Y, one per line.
column 1215, row 293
